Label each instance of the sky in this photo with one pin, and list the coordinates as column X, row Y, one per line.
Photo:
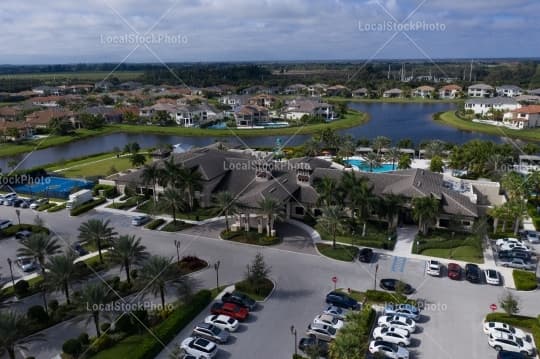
column 90, row 31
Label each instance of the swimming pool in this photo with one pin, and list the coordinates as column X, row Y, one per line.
column 363, row 166
column 56, row 187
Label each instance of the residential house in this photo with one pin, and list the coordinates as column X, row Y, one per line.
column 263, row 100
column 393, row 93
column 15, row 130
column 508, row 91
column 8, row 113
column 42, row 119
column 195, row 114
column 298, row 108
column 47, row 91
column 524, row 117
column 535, row 92
column 79, row 89
column 234, row 100
column 480, row 90
column 528, row 99
column 130, row 86
column 482, row 106
column 104, row 85
column 338, row 90
column 295, row 89
column 46, row 101
column 317, row 90
column 251, row 115
column 109, row 113
column 361, row 92
column 150, row 111
column 424, row 91
column 450, row 91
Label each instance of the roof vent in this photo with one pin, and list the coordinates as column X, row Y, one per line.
column 419, row 184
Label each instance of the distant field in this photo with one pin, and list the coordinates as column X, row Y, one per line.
column 91, row 76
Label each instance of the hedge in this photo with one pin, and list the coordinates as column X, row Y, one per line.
column 45, row 207
column 12, row 230
column 524, row 280
column 155, row 223
column 377, row 296
column 146, row 346
column 108, row 191
column 57, row 208
column 87, row 206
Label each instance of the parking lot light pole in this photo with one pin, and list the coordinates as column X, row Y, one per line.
column 216, row 268
column 177, row 245
column 375, row 277
column 11, row 272
column 294, row 334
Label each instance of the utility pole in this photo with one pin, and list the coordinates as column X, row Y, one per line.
column 216, row 268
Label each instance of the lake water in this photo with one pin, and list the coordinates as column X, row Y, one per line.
column 396, row 121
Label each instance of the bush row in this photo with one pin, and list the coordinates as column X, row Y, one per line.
column 447, row 244
column 12, row 230
column 377, row 296
column 155, row 223
column 57, row 208
column 108, row 191
column 87, row 206
column 524, row 280
column 46, row 206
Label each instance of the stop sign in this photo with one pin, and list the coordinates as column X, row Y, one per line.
column 334, row 279
column 493, row 307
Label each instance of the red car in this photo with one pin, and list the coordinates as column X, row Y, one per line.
column 230, row 309
column 454, row 271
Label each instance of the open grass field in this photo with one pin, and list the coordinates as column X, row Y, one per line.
column 88, row 76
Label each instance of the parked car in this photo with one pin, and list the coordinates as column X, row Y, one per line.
column 342, row 300
column 199, row 347
column 328, row 320
column 365, row 255
column 397, row 321
column 26, row 203
column 499, row 242
column 508, row 255
column 337, row 312
column 321, row 332
column 490, row 327
column 513, row 246
column 405, row 310
column 392, row 335
column 503, row 354
column 389, row 350
column 518, row 263
column 17, row 202
column 433, row 268
column 472, row 273
column 8, row 201
column 503, row 341
column 211, row 332
column 223, row 322
column 532, row 237
column 79, row 249
column 241, row 299
column 232, row 310
column 393, row 284
column 492, row 277
column 139, row 220
column 454, row 271
column 24, row 234
column 27, row 264
column 39, row 202
column 5, row 223
column 308, row 343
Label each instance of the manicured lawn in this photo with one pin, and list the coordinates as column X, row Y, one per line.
column 260, row 293
column 442, row 244
column 195, row 215
column 179, row 226
column 101, row 165
column 251, row 237
column 340, row 253
column 525, row 280
column 376, row 236
column 127, row 204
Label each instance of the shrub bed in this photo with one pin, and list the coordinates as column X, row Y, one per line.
column 340, row 253
column 451, row 245
column 57, row 208
column 258, row 291
column 45, row 207
column 377, row 236
column 12, row 230
column 108, row 191
column 355, row 333
column 524, row 280
column 155, row 223
column 87, row 206
column 251, row 237
column 175, row 227
column 129, row 203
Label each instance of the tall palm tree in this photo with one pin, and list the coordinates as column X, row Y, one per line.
column 380, row 142
column 225, row 202
column 156, row 272
column 425, row 210
column 150, row 176
column 346, row 147
column 434, row 148
column 190, row 182
column 39, row 246
column 393, row 155
column 327, row 190
column 13, row 333
column 91, row 298
column 173, row 199
column 61, row 272
column 272, row 210
column 169, row 173
column 332, row 220
column 98, row 232
column 373, row 160
column 127, row 251
column 390, row 208
column 312, row 147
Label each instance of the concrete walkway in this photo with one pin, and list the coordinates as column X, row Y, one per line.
column 405, row 240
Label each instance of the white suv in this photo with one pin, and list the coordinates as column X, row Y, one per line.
column 199, row 347
column 503, row 341
column 433, row 268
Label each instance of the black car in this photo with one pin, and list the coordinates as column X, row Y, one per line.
column 342, row 300
column 472, row 273
column 510, row 355
column 24, row 234
column 239, row 299
column 79, row 249
column 17, row 202
column 392, row 284
column 365, row 255
column 311, row 345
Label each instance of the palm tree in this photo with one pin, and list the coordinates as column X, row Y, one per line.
column 425, row 210
column 190, row 181
column 150, row 176
column 363, row 198
column 373, row 160
column 128, row 250
column 169, row 173
column 390, row 208
column 346, row 147
column 404, row 161
column 155, row 272
column 434, row 148
column 225, row 202
column 173, row 199
column 331, row 219
column 380, row 142
column 327, row 190
column 13, row 333
column 312, row 147
column 98, row 232
column 393, row 155
column 61, row 272
column 39, row 246
column 272, row 210
column 91, row 298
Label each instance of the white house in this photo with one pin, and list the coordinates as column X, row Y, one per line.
column 298, row 108
column 482, row 106
column 393, row 93
column 194, row 115
column 508, row 91
column 525, row 117
column 480, row 90
column 423, row 91
column 234, row 100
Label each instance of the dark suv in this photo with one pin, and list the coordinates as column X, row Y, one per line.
column 239, row 299
column 472, row 273
column 342, row 300
column 365, row 255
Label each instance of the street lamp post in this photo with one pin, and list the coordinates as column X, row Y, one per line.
column 294, row 334
column 375, row 278
column 177, row 245
column 11, row 272
column 216, row 268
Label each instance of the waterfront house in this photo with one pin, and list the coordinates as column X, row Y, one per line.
column 251, row 115
column 393, row 93
column 234, row 100
column 480, row 90
column 298, row 108
column 109, row 113
column 424, row 91
column 450, row 91
column 524, row 117
column 483, row 106
column 195, row 114
column 263, row 100
column 317, row 90
column 42, row 119
column 508, row 91
column 361, row 92
column 296, row 89
column 15, row 130
column 338, row 90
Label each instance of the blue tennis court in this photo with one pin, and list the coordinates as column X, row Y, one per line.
column 56, row 187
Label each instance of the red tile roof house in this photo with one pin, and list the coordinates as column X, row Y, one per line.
column 9, row 113
column 450, row 91
column 41, row 119
column 424, row 91
column 251, row 115
column 525, row 117
column 263, row 100
column 15, row 130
